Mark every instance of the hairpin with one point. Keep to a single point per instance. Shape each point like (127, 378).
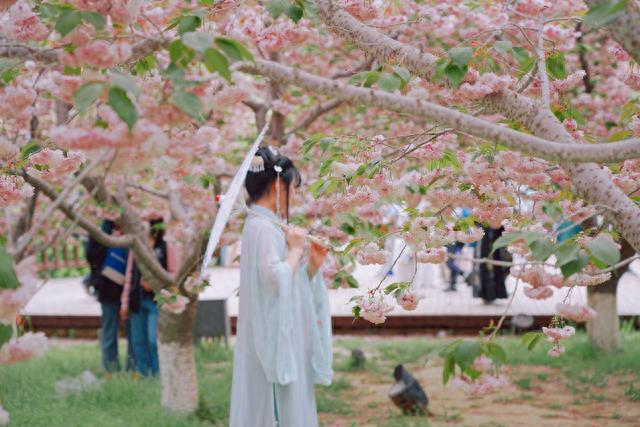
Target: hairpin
(257, 164)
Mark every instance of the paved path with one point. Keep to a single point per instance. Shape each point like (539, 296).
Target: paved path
(67, 297)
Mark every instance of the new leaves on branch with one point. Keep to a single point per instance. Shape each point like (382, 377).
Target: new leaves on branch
(603, 13)
(123, 106)
(8, 278)
(86, 95)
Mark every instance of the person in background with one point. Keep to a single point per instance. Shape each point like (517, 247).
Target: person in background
(454, 249)
(491, 278)
(107, 271)
(138, 305)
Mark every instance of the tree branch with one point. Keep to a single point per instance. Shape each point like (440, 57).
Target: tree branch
(314, 114)
(625, 27)
(590, 181)
(538, 147)
(95, 231)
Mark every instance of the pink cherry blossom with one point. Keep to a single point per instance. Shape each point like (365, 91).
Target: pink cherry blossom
(482, 364)
(374, 309)
(557, 334)
(474, 234)
(13, 189)
(58, 166)
(8, 149)
(372, 254)
(26, 347)
(531, 7)
(556, 351)
(21, 24)
(408, 299)
(634, 124)
(173, 303)
(540, 293)
(618, 52)
(98, 54)
(432, 255)
(575, 312)
(633, 81)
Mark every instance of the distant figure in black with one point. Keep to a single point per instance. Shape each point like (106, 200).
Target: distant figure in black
(490, 281)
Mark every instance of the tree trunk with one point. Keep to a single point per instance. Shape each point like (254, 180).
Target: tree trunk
(604, 330)
(177, 362)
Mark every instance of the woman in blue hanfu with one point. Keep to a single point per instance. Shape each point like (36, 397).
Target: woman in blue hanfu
(284, 325)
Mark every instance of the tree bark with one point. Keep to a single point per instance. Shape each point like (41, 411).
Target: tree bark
(604, 330)
(178, 375)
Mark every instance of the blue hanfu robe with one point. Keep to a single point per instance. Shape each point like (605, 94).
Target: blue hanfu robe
(283, 342)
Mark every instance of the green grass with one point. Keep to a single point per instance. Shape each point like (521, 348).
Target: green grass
(27, 389)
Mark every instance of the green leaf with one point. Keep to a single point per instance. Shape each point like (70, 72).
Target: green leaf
(188, 23)
(30, 148)
(216, 61)
(531, 339)
(620, 135)
(179, 53)
(197, 40)
(277, 7)
(521, 54)
(233, 49)
(86, 95)
(449, 368)
(356, 311)
(525, 66)
(8, 278)
(95, 19)
(503, 46)
(556, 66)
(187, 102)
(124, 82)
(145, 65)
(508, 238)
(67, 21)
(122, 105)
(365, 78)
(295, 12)
(403, 74)
(496, 353)
(315, 187)
(389, 82)
(351, 281)
(603, 13)
(6, 332)
(396, 286)
(541, 249)
(466, 352)
(455, 74)
(461, 56)
(566, 252)
(604, 249)
(575, 265)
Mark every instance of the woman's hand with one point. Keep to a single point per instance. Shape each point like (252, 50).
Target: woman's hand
(295, 240)
(124, 313)
(316, 257)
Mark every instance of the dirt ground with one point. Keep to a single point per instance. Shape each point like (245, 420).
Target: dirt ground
(539, 397)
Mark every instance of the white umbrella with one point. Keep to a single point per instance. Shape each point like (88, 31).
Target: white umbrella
(229, 199)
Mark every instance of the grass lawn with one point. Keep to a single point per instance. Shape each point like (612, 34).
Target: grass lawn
(582, 379)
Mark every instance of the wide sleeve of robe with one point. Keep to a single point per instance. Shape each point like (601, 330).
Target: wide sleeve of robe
(318, 307)
(272, 308)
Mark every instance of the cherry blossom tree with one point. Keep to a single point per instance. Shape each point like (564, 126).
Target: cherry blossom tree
(525, 112)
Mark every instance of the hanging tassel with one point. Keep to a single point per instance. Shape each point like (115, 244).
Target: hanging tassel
(257, 164)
